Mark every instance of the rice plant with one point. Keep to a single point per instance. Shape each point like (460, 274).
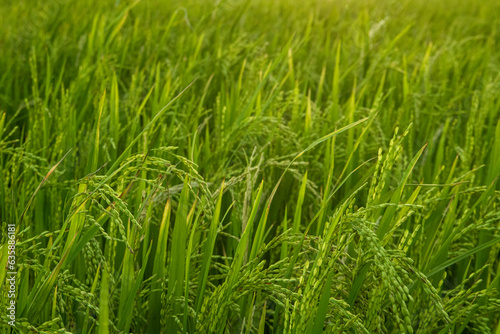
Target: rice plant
(250, 166)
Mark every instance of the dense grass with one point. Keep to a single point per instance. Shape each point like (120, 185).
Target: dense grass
(251, 166)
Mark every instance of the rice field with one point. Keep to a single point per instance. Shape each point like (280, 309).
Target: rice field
(250, 166)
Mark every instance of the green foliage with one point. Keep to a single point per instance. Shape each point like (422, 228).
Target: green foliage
(244, 166)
